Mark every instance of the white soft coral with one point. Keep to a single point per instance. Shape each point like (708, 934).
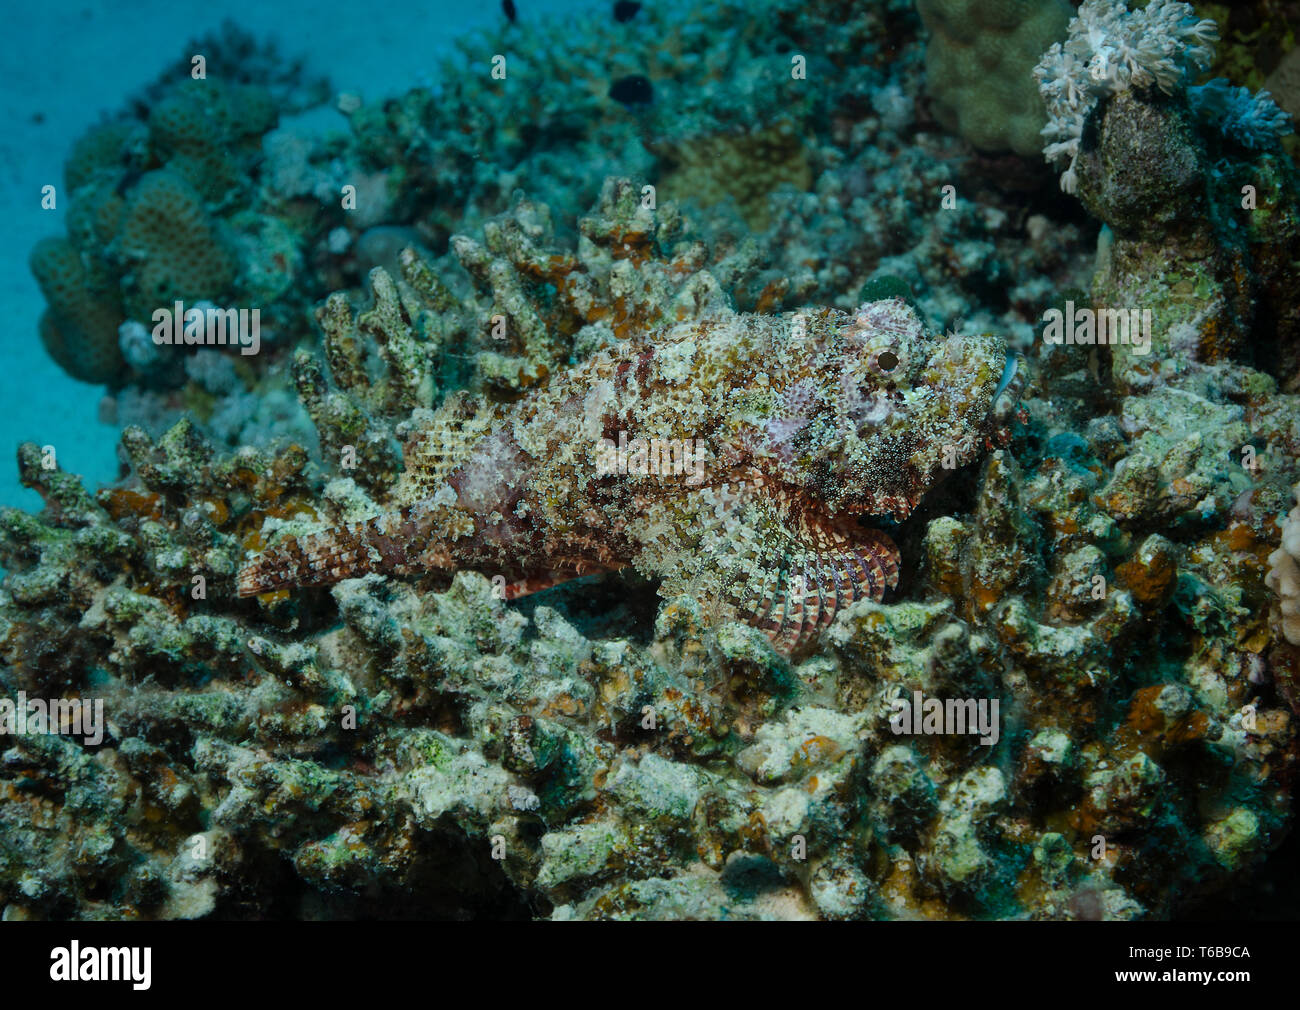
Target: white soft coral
(1112, 49)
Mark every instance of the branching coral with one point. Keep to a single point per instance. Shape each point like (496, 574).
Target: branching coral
(364, 751)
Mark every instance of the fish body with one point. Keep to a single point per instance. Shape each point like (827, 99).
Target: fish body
(733, 459)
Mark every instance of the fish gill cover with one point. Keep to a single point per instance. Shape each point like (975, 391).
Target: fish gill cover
(771, 460)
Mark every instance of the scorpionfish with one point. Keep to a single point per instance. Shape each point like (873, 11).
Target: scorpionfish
(733, 459)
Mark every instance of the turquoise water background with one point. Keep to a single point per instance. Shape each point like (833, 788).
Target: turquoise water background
(65, 63)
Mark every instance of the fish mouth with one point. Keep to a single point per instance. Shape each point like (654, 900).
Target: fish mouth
(896, 507)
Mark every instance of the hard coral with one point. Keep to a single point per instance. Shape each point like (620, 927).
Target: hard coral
(978, 61)
(171, 246)
(79, 329)
(169, 207)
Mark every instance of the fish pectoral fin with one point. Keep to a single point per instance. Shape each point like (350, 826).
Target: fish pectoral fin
(441, 443)
(786, 568)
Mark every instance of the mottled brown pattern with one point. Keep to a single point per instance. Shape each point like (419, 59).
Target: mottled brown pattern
(801, 425)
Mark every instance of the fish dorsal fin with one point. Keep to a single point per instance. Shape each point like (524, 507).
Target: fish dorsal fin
(441, 442)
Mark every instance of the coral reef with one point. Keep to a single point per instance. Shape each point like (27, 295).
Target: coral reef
(1077, 697)
(150, 221)
(1202, 207)
(236, 56)
(829, 163)
(443, 751)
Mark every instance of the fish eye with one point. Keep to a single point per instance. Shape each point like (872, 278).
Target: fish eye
(887, 361)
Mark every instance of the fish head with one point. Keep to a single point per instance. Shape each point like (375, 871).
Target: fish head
(875, 410)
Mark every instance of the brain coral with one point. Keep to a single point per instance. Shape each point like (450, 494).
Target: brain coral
(980, 61)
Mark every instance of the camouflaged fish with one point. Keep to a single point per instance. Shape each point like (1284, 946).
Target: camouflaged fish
(731, 459)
